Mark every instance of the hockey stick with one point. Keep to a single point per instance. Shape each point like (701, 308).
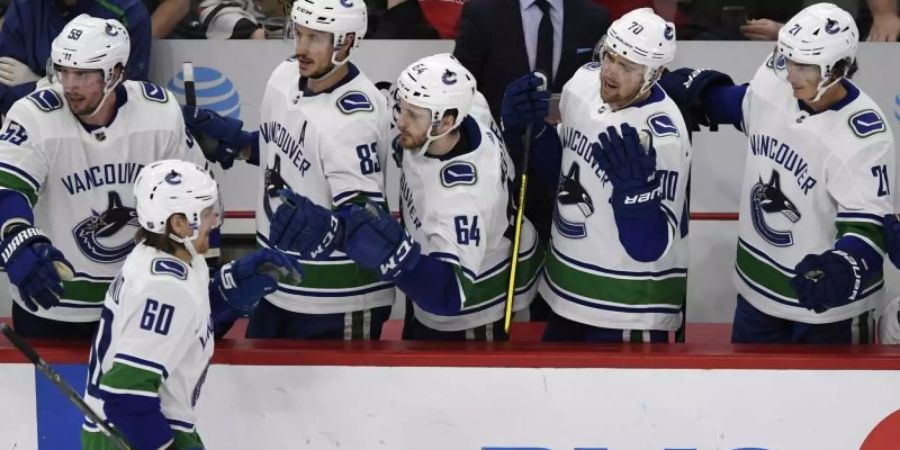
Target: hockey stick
(61, 384)
(207, 144)
(520, 214)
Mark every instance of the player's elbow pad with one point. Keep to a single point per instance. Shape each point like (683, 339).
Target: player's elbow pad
(139, 419)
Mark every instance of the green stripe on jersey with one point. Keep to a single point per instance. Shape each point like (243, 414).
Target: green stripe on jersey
(96, 440)
(85, 290)
(627, 291)
(764, 274)
(333, 276)
(10, 181)
(495, 286)
(868, 230)
(127, 377)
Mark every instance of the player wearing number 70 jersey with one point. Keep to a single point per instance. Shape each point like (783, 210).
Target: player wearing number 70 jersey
(151, 352)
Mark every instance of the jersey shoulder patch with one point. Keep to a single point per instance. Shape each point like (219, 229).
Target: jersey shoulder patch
(170, 267)
(154, 93)
(662, 125)
(866, 123)
(458, 173)
(355, 101)
(46, 100)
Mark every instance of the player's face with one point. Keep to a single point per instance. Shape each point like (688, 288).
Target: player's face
(620, 79)
(83, 89)
(314, 49)
(414, 124)
(209, 220)
(804, 79)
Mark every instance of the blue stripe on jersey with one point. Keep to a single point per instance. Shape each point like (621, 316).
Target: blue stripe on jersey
(94, 278)
(871, 290)
(761, 255)
(143, 362)
(187, 426)
(343, 293)
(453, 259)
(482, 306)
(21, 174)
(634, 309)
(625, 273)
(672, 217)
(864, 216)
(67, 304)
(344, 196)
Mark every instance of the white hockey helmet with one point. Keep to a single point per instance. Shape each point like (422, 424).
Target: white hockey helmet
(92, 43)
(822, 35)
(438, 83)
(338, 17)
(172, 186)
(641, 37)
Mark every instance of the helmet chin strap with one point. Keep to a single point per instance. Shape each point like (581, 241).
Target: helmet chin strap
(106, 91)
(823, 87)
(186, 242)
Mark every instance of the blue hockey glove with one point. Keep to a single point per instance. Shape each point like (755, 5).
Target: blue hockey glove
(686, 86)
(630, 168)
(221, 138)
(892, 238)
(826, 281)
(524, 103)
(28, 256)
(378, 242)
(241, 283)
(303, 227)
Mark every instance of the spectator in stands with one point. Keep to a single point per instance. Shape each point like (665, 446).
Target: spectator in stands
(880, 17)
(231, 19)
(419, 19)
(166, 15)
(31, 25)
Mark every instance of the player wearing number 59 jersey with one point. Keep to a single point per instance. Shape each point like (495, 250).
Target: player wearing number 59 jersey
(69, 155)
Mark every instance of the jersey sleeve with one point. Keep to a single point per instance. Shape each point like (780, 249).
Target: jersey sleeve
(351, 161)
(24, 164)
(152, 340)
(861, 186)
(673, 170)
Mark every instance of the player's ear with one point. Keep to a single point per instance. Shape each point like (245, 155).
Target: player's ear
(448, 120)
(178, 225)
(349, 38)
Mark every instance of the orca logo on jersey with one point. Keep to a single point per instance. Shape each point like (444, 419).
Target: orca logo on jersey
(767, 198)
(354, 101)
(460, 173)
(866, 123)
(662, 125)
(93, 233)
(168, 266)
(574, 205)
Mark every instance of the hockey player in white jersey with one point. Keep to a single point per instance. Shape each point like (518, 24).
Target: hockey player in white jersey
(320, 137)
(616, 270)
(150, 356)
(889, 320)
(68, 157)
(817, 181)
(456, 200)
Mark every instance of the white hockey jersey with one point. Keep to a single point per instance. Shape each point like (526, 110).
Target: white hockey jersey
(589, 277)
(459, 209)
(809, 179)
(329, 147)
(79, 182)
(155, 336)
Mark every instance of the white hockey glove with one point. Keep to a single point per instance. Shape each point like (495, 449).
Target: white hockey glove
(13, 72)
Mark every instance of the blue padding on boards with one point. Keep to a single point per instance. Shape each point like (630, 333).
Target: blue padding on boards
(58, 420)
